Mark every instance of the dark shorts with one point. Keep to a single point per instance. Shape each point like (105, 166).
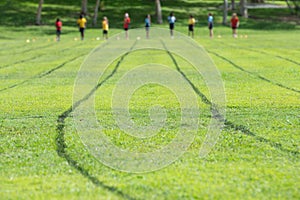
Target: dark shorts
(58, 32)
(105, 31)
(191, 27)
(234, 27)
(172, 26)
(126, 29)
(210, 26)
(81, 30)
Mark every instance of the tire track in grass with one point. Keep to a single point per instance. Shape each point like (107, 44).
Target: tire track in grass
(228, 124)
(61, 143)
(280, 57)
(32, 58)
(15, 47)
(21, 61)
(265, 53)
(254, 74)
(287, 59)
(33, 49)
(43, 74)
(25, 60)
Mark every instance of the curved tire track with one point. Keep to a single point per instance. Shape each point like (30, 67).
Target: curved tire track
(61, 143)
(228, 124)
(254, 74)
(32, 58)
(43, 74)
(265, 53)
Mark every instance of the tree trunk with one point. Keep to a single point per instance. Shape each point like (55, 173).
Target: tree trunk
(158, 12)
(96, 12)
(225, 12)
(243, 8)
(39, 13)
(296, 6)
(232, 4)
(84, 7)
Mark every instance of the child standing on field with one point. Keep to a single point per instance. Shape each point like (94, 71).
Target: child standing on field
(192, 22)
(147, 25)
(234, 24)
(126, 24)
(105, 26)
(81, 23)
(210, 24)
(58, 25)
(171, 20)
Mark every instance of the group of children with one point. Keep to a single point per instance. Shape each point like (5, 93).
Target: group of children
(81, 22)
(234, 23)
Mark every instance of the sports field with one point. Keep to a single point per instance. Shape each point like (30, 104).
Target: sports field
(45, 86)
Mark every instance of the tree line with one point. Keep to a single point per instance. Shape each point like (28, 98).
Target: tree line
(294, 5)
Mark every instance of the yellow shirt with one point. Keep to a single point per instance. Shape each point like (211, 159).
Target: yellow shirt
(192, 21)
(105, 25)
(81, 22)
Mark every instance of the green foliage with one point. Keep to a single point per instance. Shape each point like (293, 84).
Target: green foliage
(23, 13)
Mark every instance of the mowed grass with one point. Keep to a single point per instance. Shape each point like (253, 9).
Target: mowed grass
(256, 156)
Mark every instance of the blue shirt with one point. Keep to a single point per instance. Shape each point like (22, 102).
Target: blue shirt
(210, 19)
(147, 22)
(171, 19)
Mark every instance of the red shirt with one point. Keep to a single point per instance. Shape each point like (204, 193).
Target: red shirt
(126, 22)
(58, 25)
(234, 22)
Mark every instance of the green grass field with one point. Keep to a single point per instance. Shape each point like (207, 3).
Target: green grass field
(255, 157)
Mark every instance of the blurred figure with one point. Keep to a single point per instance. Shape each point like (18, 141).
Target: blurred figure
(81, 23)
(210, 25)
(126, 24)
(58, 25)
(105, 26)
(192, 22)
(147, 25)
(171, 20)
(234, 24)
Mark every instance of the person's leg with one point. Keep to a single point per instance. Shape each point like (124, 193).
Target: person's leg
(82, 33)
(192, 29)
(211, 33)
(171, 29)
(234, 32)
(147, 32)
(57, 36)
